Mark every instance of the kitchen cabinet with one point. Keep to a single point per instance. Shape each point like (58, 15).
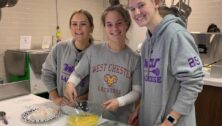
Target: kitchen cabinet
(209, 103)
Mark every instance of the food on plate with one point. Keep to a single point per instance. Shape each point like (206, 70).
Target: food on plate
(43, 113)
(83, 120)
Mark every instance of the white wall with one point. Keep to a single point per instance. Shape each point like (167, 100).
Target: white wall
(204, 12)
(37, 18)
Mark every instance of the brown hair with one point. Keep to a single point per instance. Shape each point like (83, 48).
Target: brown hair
(88, 16)
(86, 13)
(122, 11)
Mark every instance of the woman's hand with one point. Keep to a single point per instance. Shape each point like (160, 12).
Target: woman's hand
(70, 93)
(174, 114)
(166, 123)
(134, 117)
(55, 97)
(111, 105)
(57, 100)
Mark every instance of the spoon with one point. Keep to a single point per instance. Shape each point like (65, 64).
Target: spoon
(2, 117)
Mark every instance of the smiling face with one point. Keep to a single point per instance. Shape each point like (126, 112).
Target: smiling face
(80, 27)
(144, 12)
(115, 26)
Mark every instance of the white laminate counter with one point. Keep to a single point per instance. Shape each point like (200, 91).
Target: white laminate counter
(14, 107)
(217, 82)
(211, 81)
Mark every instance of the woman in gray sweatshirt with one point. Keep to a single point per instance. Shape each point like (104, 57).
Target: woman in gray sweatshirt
(63, 58)
(172, 73)
(113, 67)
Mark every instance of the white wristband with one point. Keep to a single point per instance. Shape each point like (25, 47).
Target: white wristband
(131, 97)
(74, 79)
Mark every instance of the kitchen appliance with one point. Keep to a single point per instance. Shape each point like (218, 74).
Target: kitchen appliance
(14, 89)
(209, 45)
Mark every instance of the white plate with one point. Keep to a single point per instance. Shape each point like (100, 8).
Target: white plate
(26, 116)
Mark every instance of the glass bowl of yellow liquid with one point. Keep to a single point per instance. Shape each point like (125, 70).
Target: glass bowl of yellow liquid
(86, 114)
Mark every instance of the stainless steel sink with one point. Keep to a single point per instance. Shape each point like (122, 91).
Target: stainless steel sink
(14, 89)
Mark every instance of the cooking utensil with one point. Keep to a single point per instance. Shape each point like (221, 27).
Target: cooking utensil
(7, 3)
(164, 10)
(214, 62)
(11, 3)
(182, 9)
(112, 123)
(2, 117)
(69, 108)
(3, 3)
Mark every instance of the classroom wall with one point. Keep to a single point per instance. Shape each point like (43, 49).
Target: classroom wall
(38, 18)
(204, 12)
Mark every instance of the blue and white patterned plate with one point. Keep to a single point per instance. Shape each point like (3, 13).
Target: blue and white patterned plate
(25, 116)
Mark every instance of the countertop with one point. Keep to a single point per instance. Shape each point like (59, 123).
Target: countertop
(211, 81)
(217, 82)
(14, 107)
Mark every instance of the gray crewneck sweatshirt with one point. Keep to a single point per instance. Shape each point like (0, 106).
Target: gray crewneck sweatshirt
(112, 75)
(59, 64)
